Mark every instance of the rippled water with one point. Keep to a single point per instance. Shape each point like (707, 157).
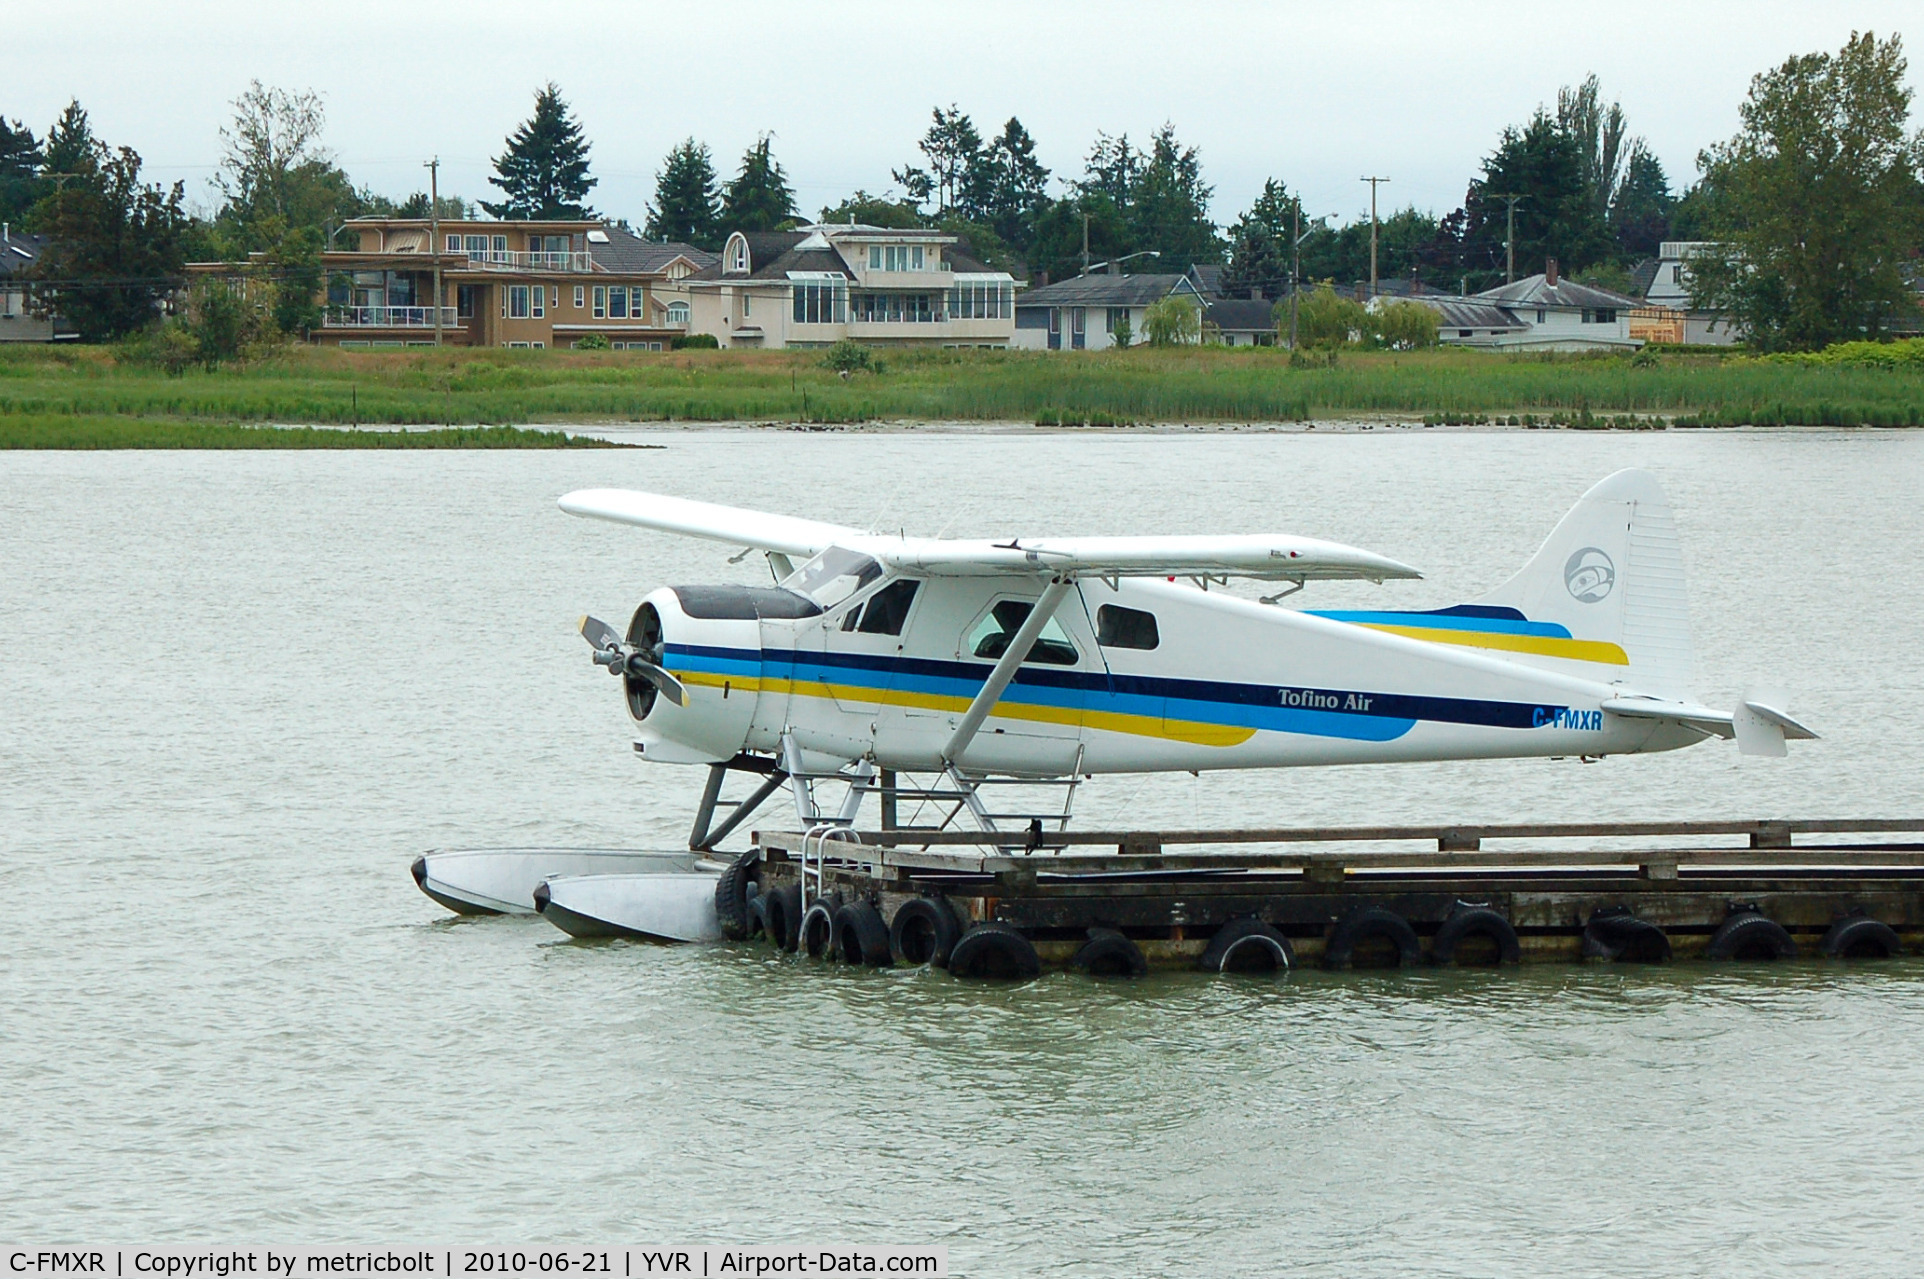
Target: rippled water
(240, 691)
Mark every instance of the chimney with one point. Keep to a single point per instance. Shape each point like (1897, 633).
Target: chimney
(1550, 272)
(1255, 293)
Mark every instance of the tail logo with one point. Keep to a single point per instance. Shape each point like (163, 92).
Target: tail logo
(1590, 575)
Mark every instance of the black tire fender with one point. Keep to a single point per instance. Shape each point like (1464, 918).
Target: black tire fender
(732, 892)
(817, 939)
(1108, 953)
(996, 952)
(1475, 921)
(1247, 946)
(1861, 937)
(860, 935)
(924, 931)
(1615, 934)
(1372, 921)
(1749, 934)
(782, 915)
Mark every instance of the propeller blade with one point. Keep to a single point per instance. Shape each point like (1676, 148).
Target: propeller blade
(666, 684)
(599, 633)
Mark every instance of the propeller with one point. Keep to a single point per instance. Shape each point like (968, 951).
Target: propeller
(625, 659)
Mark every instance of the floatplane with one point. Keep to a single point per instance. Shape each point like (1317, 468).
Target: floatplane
(940, 671)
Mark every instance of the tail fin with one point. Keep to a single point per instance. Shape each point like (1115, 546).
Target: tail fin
(1612, 572)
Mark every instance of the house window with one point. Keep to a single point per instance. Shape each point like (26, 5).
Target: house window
(747, 305)
(578, 293)
(638, 302)
(517, 301)
(740, 256)
(678, 314)
(540, 296)
(500, 244)
(981, 301)
(454, 244)
(1463, 333)
(1539, 315)
(617, 303)
(1078, 318)
(1676, 275)
(821, 300)
(601, 302)
(464, 301)
(1606, 315)
(895, 257)
(1055, 319)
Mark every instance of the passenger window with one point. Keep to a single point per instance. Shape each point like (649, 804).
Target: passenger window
(992, 634)
(1119, 627)
(888, 608)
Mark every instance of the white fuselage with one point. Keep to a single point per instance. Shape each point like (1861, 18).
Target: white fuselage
(1214, 681)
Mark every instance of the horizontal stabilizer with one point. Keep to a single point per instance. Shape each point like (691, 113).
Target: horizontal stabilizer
(1760, 729)
(783, 534)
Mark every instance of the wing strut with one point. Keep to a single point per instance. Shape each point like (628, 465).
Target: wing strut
(1025, 637)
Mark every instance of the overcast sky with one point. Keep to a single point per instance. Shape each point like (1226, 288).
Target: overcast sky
(1315, 94)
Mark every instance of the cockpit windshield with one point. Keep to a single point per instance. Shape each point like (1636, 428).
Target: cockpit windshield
(833, 576)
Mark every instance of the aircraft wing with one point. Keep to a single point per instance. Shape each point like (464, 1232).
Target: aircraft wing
(783, 534)
(1272, 557)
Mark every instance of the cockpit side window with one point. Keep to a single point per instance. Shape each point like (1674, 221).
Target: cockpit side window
(990, 637)
(1119, 627)
(887, 611)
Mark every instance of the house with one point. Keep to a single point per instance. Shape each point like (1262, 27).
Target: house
(1083, 312)
(533, 284)
(1465, 321)
(1558, 315)
(1247, 321)
(1669, 290)
(820, 284)
(1208, 279)
(18, 323)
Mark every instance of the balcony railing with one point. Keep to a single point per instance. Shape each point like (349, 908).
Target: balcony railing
(387, 317)
(515, 260)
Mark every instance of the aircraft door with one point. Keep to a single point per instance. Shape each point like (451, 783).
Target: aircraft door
(861, 646)
(1037, 725)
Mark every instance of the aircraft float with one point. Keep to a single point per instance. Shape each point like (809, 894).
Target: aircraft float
(877, 659)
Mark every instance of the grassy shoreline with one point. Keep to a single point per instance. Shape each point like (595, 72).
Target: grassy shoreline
(47, 394)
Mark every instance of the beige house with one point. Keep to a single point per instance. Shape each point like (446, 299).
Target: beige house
(820, 284)
(539, 285)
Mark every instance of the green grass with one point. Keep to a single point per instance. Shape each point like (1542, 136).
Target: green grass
(473, 388)
(71, 431)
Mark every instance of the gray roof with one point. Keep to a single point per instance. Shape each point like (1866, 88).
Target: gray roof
(19, 251)
(1106, 290)
(1241, 315)
(1535, 290)
(1208, 279)
(1642, 276)
(1467, 313)
(772, 255)
(628, 252)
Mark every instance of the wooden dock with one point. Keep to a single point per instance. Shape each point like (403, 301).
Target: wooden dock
(1364, 896)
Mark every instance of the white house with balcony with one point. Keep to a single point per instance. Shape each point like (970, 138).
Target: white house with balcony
(1670, 288)
(820, 284)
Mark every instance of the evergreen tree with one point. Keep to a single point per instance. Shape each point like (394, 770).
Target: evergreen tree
(1012, 188)
(71, 147)
(687, 203)
(1815, 201)
(19, 170)
(544, 171)
(1261, 244)
(759, 198)
(1169, 205)
(1556, 216)
(1056, 250)
(953, 149)
(1640, 215)
(117, 246)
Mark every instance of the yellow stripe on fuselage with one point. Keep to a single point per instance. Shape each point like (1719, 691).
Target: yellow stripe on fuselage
(1191, 731)
(1600, 651)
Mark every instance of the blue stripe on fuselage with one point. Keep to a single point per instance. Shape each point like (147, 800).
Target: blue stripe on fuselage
(1446, 622)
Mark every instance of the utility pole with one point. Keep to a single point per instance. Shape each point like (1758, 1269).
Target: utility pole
(1295, 270)
(1372, 182)
(1085, 242)
(1509, 236)
(434, 237)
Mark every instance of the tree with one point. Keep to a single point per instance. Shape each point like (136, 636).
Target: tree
(687, 203)
(1325, 319)
(1640, 215)
(1601, 138)
(544, 171)
(1056, 249)
(759, 198)
(117, 247)
(1169, 205)
(1172, 321)
(1013, 187)
(1261, 244)
(1556, 216)
(875, 210)
(19, 170)
(953, 149)
(1405, 326)
(71, 148)
(273, 134)
(1814, 201)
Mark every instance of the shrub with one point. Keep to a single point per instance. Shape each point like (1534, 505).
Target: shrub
(1325, 319)
(1123, 334)
(593, 342)
(1406, 326)
(1174, 321)
(694, 342)
(846, 357)
(168, 347)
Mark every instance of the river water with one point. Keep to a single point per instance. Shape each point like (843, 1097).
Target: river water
(240, 691)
